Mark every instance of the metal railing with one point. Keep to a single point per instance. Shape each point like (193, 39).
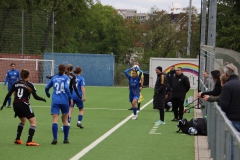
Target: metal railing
(220, 134)
(223, 138)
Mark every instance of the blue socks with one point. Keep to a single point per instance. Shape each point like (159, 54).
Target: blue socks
(66, 131)
(54, 130)
(135, 111)
(80, 117)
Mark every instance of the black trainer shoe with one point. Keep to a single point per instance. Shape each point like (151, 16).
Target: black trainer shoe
(175, 120)
(79, 125)
(65, 141)
(130, 109)
(54, 141)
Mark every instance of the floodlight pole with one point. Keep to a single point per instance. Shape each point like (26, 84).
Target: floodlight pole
(189, 27)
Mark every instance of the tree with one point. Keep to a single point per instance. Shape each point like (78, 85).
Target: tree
(228, 25)
(159, 36)
(182, 32)
(106, 32)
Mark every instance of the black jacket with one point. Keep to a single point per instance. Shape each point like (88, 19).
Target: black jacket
(181, 86)
(229, 100)
(160, 91)
(170, 76)
(216, 91)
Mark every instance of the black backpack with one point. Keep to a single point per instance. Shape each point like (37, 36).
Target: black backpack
(199, 123)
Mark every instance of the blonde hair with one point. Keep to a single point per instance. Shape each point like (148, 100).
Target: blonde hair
(223, 78)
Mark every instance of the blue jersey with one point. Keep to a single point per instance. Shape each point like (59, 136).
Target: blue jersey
(133, 82)
(80, 82)
(61, 93)
(11, 77)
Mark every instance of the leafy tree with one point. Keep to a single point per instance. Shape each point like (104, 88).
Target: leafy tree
(106, 32)
(182, 32)
(159, 36)
(228, 25)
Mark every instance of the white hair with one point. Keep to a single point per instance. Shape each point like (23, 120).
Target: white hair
(230, 69)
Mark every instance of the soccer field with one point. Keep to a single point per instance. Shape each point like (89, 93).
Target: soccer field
(109, 132)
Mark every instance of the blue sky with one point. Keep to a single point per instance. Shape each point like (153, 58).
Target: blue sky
(144, 6)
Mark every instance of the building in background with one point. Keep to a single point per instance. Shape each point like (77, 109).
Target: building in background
(131, 13)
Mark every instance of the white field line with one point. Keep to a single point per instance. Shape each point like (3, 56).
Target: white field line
(100, 139)
(120, 109)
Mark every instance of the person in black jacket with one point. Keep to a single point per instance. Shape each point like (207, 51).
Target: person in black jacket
(229, 99)
(21, 106)
(181, 86)
(217, 88)
(170, 75)
(159, 94)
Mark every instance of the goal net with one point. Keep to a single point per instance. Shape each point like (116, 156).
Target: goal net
(38, 68)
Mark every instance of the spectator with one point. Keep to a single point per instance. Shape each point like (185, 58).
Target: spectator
(170, 75)
(206, 79)
(181, 86)
(217, 88)
(211, 98)
(229, 99)
(159, 94)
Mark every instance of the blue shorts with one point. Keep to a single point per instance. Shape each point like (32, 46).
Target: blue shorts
(9, 86)
(55, 108)
(131, 97)
(79, 103)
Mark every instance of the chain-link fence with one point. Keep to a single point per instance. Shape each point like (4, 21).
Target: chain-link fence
(26, 32)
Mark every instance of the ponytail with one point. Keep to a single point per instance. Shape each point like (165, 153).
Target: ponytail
(24, 75)
(69, 69)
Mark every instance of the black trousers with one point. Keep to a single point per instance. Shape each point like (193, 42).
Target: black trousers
(178, 108)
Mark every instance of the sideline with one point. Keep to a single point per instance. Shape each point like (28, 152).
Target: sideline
(100, 139)
(118, 109)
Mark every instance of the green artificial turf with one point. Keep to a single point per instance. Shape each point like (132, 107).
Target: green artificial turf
(105, 107)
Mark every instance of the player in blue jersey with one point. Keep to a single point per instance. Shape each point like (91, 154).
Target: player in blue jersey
(134, 87)
(60, 101)
(72, 87)
(80, 84)
(11, 77)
